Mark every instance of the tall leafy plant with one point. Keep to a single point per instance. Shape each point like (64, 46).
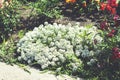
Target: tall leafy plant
(48, 8)
(8, 17)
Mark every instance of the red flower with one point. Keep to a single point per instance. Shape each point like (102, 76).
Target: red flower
(112, 33)
(104, 25)
(108, 7)
(111, 6)
(113, 11)
(116, 53)
(73, 1)
(102, 6)
(112, 3)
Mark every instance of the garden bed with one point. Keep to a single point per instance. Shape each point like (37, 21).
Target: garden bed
(73, 37)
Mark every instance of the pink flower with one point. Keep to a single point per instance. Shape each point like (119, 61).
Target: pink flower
(109, 1)
(115, 49)
(113, 31)
(116, 17)
(117, 21)
(110, 34)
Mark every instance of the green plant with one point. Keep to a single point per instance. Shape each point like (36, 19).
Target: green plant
(59, 47)
(7, 51)
(109, 57)
(8, 18)
(47, 8)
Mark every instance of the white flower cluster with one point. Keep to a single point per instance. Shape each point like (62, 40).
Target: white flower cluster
(48, 44)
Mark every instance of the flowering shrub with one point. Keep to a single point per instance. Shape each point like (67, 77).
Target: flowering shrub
(59, 46)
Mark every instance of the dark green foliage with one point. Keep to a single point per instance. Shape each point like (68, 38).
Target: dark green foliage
(8, 19)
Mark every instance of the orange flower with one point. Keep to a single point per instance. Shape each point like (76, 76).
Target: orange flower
(70, 1)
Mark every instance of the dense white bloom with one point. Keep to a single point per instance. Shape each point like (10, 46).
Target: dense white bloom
(29, 61)
(85, 53)
(49, 44)
(53, 63)
(77, 53)
(91, 62)
(50, 57)
(61, 51)
(74, 67)
(55, 59)
(44, 66)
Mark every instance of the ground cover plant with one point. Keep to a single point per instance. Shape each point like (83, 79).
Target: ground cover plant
(60, 47)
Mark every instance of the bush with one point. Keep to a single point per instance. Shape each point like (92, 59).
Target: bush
(59, 46)
(8, 18)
